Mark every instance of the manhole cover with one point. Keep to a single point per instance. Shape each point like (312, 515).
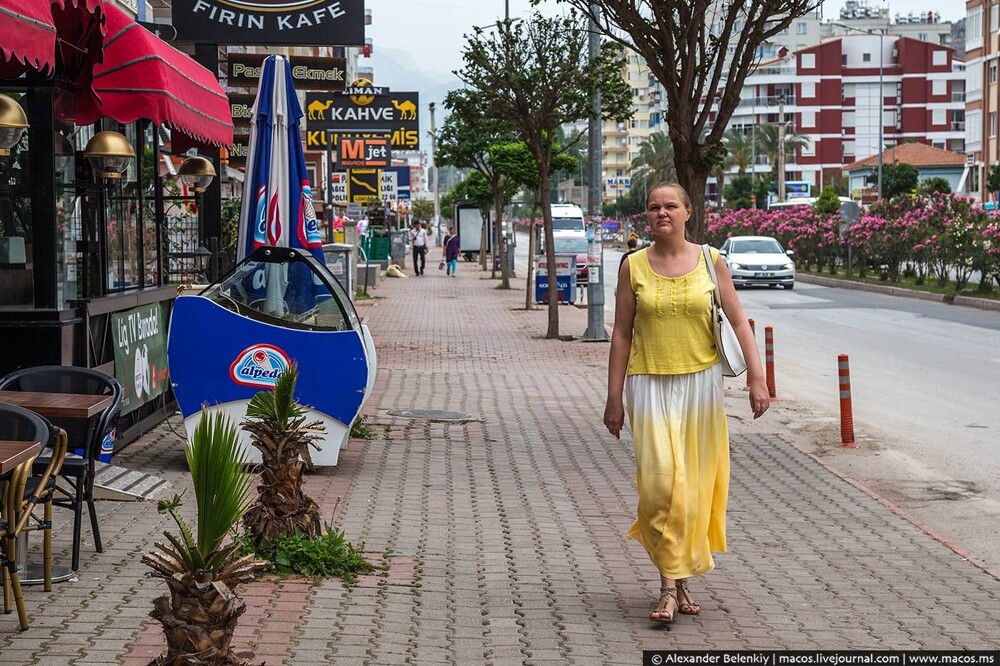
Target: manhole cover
(432, 414)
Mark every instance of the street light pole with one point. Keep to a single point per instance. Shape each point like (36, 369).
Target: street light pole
(434, 171)
(595, 238)
(781, 148)
(881, 110)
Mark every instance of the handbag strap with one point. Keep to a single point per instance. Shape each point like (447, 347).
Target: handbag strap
(716, 296)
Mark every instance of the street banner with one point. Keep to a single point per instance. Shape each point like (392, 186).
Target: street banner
(140, 338)
(284, 22)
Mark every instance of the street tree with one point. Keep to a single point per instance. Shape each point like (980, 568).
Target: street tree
(897, 178)
(536, 75)
(767, 144)
(701, 52)
(466, 141)
(654, 163)
(423, 209)
(993, 180)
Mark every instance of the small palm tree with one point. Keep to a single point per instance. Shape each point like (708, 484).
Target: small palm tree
(277, 427)
(767, 144)
(200, 613)
(654, 163)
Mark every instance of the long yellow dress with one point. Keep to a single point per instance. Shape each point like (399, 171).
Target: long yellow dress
(675, 402)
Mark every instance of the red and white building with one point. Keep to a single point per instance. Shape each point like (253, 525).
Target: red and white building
(829, 93)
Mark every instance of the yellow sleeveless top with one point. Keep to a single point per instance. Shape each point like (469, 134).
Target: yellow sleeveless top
(672, 329)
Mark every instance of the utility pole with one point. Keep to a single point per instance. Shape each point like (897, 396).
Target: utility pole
(781, 148)
(434, 171)
(595, 239)
(881, 110)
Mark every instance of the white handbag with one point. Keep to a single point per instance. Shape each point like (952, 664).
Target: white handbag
(726, 342)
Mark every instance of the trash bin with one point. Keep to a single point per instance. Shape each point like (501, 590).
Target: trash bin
(397, 246)
(565, 279)
(338, 260)
(379, 240)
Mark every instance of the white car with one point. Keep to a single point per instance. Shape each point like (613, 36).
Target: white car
(758, 260)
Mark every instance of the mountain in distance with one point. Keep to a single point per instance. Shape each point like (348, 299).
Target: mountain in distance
(394, 69)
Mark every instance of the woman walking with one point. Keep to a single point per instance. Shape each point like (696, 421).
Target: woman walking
(663, 359)
(451, 248)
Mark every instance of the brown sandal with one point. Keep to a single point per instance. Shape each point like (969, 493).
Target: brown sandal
(664, 610)
(686, 603)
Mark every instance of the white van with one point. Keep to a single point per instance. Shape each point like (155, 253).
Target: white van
(568, 220)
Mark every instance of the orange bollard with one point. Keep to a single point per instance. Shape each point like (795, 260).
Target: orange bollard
(769, 360)
(846, 411)
(752, 328)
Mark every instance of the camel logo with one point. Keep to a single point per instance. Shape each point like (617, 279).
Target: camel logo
(407, 109)
(259, 366)
(317, 109)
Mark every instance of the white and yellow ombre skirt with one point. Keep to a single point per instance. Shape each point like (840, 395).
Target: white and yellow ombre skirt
(682, 468)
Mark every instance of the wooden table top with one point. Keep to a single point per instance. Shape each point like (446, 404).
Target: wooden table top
(72, 405)
(13, 454)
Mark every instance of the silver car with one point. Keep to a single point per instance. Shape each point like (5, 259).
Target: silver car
(758, 260)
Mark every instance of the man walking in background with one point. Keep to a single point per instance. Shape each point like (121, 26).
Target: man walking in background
(418, 239)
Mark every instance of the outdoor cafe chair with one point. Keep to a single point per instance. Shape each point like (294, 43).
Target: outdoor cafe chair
(84, 435)
(16, 425)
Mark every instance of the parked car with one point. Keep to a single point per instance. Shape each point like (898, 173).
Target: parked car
(758, 260)
(574, 245)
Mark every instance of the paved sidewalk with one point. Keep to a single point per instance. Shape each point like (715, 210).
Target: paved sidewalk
(500, 536)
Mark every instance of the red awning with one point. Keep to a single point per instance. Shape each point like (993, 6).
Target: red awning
(41, 35)
(144, 77)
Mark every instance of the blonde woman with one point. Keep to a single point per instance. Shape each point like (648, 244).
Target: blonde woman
(663, 361)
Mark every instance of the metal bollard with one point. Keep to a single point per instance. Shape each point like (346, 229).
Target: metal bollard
(769, 360)
(846, 411)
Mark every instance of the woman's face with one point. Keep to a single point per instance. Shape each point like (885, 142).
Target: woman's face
(666, 211)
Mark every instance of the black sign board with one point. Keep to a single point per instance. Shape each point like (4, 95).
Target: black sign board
(288, 22)
(241, 108)
(308, 72)
(363, 185)
(393, 113)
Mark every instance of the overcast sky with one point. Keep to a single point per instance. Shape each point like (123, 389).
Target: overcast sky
(427, 34)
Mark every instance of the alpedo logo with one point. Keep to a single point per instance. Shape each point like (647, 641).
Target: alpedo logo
(259, 366)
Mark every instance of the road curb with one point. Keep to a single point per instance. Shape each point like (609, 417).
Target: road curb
(965, 301)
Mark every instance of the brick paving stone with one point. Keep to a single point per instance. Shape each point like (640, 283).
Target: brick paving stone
(500, 539)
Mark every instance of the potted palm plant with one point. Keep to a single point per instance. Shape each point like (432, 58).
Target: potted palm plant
(202, 569)
(277, 427)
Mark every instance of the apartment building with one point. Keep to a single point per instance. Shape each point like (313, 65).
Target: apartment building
(982, 47)
(830, 94)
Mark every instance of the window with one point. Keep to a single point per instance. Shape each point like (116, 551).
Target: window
(808, 119)
(994, 17)
(801, 28)
(939, 117)
(974, 28)
(808, 89)
(866, 57)
(939, 87)
(922, 36)
(993, 123)
(808, 61)
(808, 149)
(939, 58)
(993, 72)
(848, 148)
(847, 119)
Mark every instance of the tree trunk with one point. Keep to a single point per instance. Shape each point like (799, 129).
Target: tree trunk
(529, 296)
(502, 250)
(550, 251)
(198, 624)
(692, 177)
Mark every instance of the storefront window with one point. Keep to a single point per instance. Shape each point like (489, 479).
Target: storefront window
(16, 282)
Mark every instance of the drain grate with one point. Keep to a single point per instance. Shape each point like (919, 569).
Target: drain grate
(431, 414)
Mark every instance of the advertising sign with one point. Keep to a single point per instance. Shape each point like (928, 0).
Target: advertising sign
(338, 187)
(140, 338)
(363, 185)
(387, 112)
(797, 189)
(402, 182)
(287, 22)
(388, 190)
(308, 72)
(362, 151)
(619, 183)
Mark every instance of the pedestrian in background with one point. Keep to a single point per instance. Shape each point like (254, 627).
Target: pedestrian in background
(632, 243)
(451, 250)
(418, 240)
(663, 359)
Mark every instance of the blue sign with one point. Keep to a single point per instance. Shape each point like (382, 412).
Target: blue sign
(798, 189)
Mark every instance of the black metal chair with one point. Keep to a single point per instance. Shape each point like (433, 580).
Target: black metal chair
(85, 435)
(16, 425)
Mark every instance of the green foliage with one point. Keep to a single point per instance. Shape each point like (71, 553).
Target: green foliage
(218, 474)
(738, 191)
(897, 178)
(767, 144)
(828, 202)
(278, 405)
(330, 555)
(360, 428)
(993, 180)
(423, 209)
(935, 185)
(230, 223)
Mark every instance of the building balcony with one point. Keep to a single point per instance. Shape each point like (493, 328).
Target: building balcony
(368, 17)
(958, 97)
(958, 126)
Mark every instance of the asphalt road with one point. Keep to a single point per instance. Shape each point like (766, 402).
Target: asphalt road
(925, 381)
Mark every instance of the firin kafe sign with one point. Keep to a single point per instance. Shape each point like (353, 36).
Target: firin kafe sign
(286, 22)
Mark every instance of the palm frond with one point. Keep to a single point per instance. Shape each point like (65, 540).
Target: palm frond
(218, 474)
(278, 405)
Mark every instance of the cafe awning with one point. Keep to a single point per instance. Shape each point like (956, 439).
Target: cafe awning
(144, 77)
(46, 35)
